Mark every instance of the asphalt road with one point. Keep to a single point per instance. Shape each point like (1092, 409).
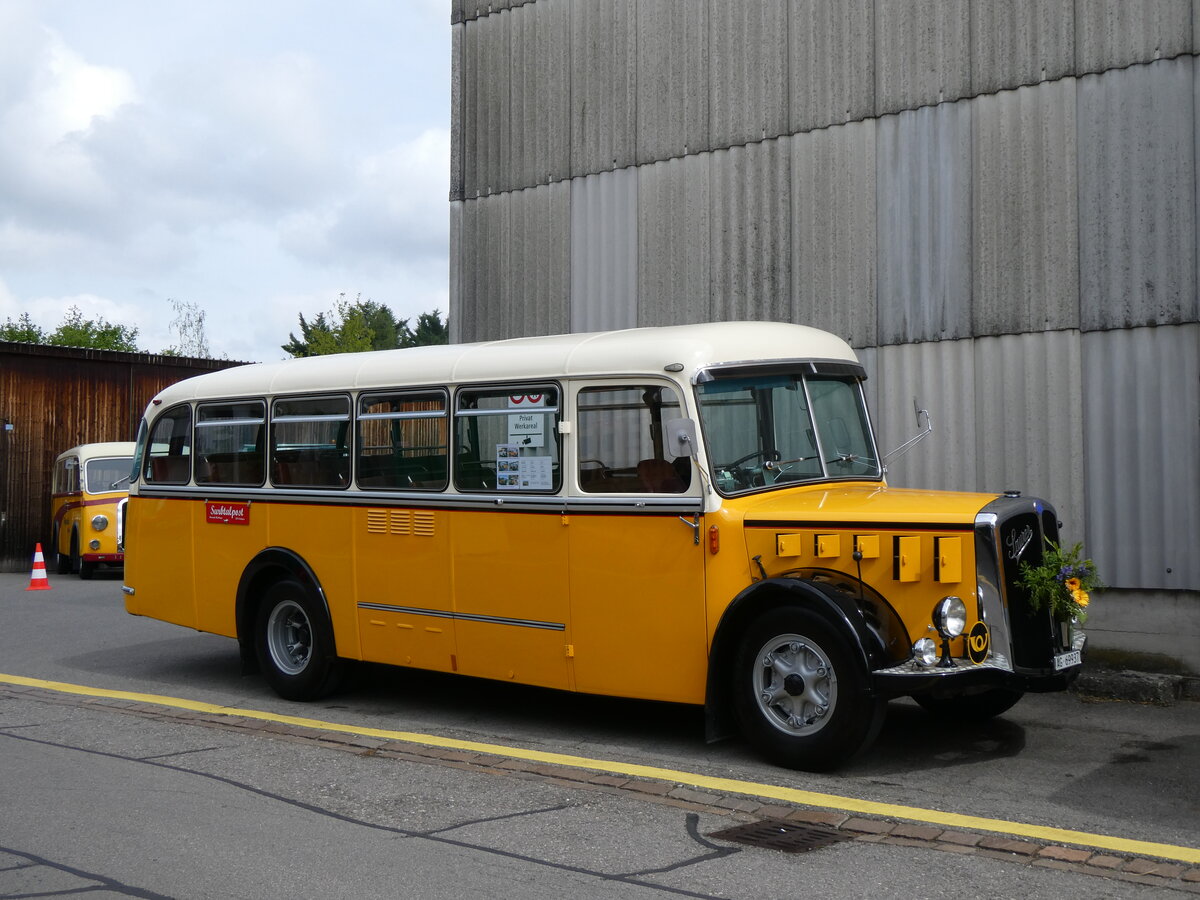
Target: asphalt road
(130, 798)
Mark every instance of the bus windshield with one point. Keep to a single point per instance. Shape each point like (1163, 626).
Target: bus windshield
(770, 429)
(104, 475)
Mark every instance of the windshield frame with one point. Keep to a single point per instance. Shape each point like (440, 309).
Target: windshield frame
(768, 468)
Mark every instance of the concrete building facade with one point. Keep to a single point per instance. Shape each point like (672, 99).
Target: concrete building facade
(994, 201)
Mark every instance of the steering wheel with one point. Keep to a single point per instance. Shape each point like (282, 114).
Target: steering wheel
(737, 467)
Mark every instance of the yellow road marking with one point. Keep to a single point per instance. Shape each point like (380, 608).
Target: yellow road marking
(690, 779)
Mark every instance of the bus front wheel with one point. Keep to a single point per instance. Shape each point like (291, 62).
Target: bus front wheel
(799, 695)
(294, 643)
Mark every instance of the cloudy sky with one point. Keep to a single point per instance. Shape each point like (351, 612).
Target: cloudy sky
(256, 159)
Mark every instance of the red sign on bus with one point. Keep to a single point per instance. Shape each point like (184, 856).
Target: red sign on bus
(220, 512)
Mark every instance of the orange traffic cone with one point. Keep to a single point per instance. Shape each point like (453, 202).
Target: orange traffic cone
(38, 580)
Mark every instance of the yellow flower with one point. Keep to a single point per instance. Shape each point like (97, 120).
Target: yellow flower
(1073, 585)
(1081, 598)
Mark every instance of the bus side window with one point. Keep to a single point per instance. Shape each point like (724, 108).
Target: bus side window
(621, 447)
(168, 460)
(308, 442)
(230, 443)
(506, 439)
(403, 441)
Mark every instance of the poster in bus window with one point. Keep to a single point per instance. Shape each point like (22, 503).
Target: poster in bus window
(525, 427)
(516, 472)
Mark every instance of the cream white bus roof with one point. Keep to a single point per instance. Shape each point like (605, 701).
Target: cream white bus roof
(630, 352)
(105, 450)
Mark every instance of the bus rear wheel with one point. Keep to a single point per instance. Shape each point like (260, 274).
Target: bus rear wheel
(799, 695)
(293, 640)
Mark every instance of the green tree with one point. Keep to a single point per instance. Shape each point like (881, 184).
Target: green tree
(23, 331)
(430, 330)
(362, 325)
(73, 331)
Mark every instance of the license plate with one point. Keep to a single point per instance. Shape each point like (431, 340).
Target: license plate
(1066, 660)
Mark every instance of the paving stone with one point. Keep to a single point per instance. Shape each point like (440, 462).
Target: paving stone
(1191, 875)
(1153, 867)
(1024, 848)
(1066, 854)
(1056, 864)
(692, 796)
(654, 788)
(817, 817)
(961, 838)
(1106, 862)
(735, 804)
(868, 826)
(917, 832)
(769, 811)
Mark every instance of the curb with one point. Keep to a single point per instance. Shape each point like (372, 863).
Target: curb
(1138, 687)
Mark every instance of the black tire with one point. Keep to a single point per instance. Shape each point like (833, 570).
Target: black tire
(800, 693)
(74, 562)
(971, 707)
(62, 562)
(87, 570)
(293, 640)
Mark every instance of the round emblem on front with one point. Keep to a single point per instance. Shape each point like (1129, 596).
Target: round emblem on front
(977, 643)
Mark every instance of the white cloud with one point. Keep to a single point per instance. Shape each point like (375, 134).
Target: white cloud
(397, 208)
(256, 160)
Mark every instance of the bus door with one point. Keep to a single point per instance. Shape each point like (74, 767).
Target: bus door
(637, 566)
(509, 536)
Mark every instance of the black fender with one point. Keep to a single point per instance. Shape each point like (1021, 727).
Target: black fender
(873, 629)
(270, 565)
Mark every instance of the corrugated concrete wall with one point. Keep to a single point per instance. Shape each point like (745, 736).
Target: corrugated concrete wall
(54, 398)
(996, 203)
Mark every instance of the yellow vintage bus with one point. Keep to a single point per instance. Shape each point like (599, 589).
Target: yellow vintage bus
(89, 488)
(695, 514)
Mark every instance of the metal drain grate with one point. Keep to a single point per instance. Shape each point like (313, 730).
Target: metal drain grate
(777, 834)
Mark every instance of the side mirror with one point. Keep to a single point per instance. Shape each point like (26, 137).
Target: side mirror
(681, 437)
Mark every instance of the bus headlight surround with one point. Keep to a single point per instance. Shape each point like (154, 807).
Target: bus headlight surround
(950, 617)
(94, 544)
(100, 522)
(925, 652)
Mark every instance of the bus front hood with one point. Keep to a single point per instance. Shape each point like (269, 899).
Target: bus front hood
(866, 505)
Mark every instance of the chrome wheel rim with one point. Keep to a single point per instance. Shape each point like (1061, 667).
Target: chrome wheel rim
(795, 685)
(289, 637)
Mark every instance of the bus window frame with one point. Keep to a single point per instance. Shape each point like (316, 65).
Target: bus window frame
(260, 444)
(149, 456)
(442, 392)
(636, 381)
(512, 389)
(346, 436)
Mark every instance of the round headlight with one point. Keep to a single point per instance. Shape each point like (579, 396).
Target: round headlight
(925, 651)
(94, 544)
(99, 523)
(950, 617)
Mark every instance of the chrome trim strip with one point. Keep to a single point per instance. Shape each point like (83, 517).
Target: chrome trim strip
(466, 617)
(990, 590)
(128, 590)
(913, 668)
(434, 499)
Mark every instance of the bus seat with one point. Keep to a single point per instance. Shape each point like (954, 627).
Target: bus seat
(169, 469)
(659, 477)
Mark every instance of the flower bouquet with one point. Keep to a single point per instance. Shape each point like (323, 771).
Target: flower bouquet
(1063, 581)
